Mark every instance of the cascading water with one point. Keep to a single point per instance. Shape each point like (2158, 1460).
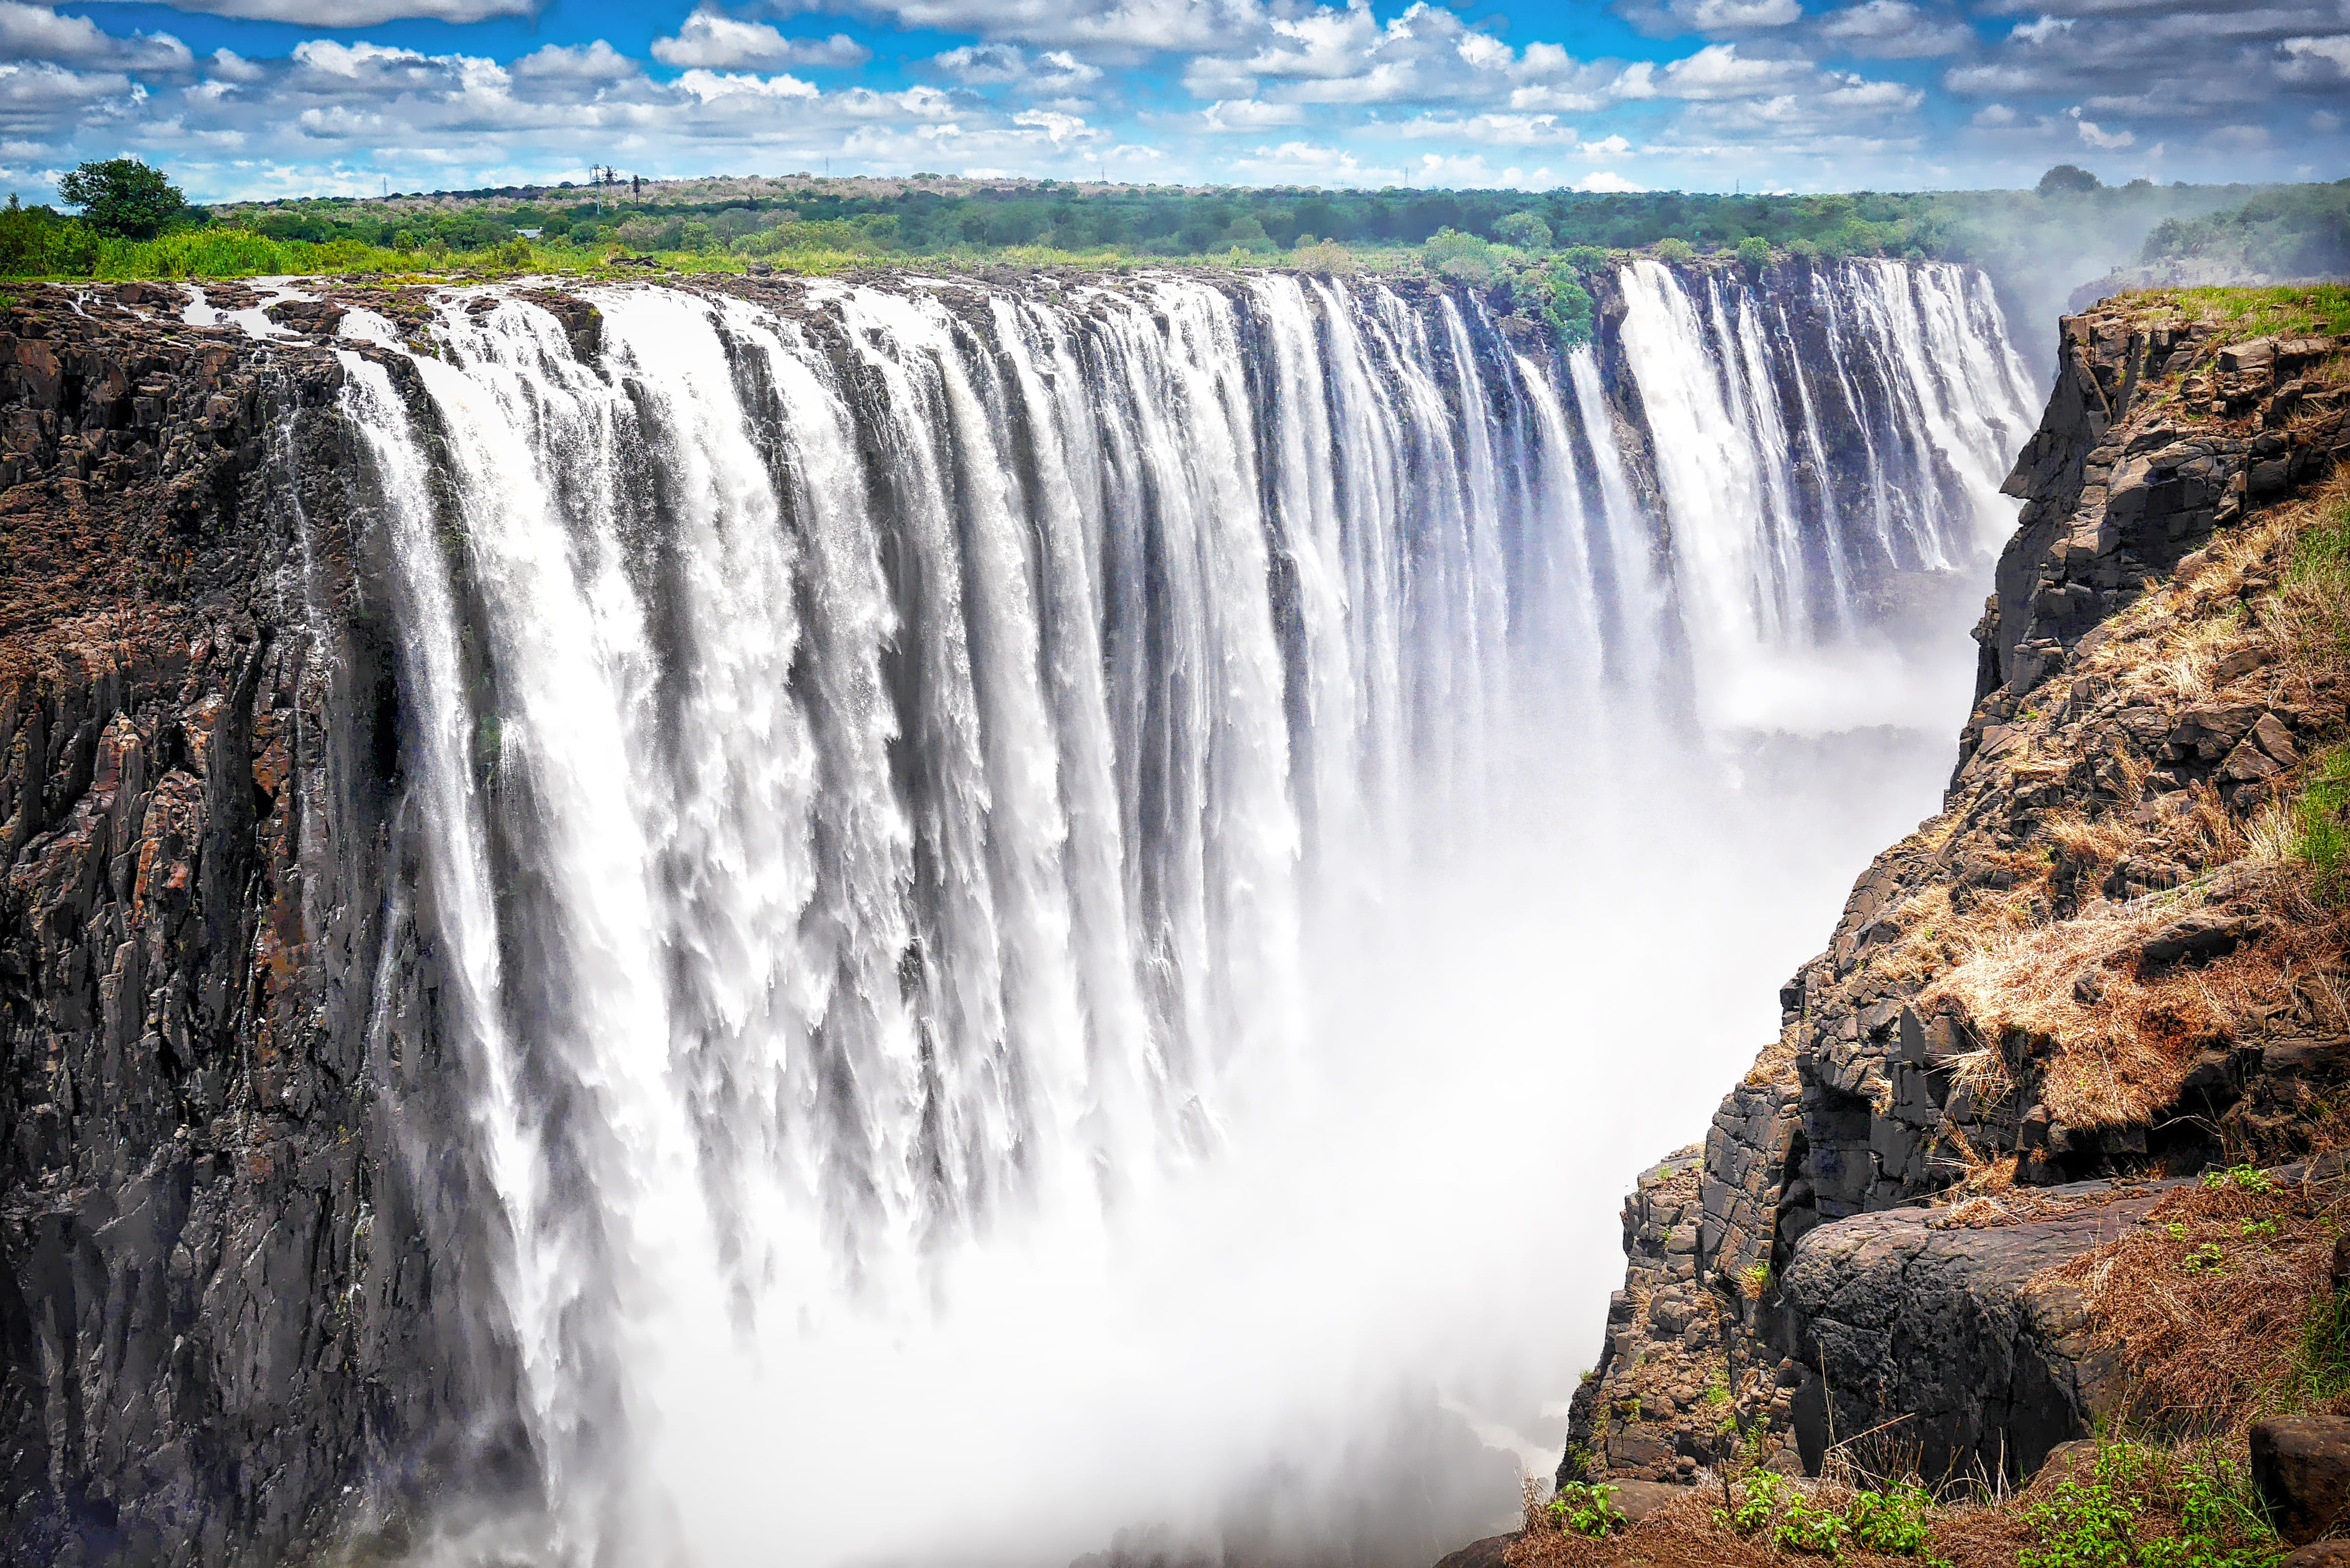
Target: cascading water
(930, 795)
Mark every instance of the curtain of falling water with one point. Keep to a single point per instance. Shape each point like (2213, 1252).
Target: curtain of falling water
(885, 764)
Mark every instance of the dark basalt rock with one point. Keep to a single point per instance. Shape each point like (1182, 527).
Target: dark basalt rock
(2302, 1466)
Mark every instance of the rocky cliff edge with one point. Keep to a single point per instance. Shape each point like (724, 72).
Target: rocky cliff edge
(2114, 961)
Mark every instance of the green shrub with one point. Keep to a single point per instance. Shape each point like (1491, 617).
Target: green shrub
(1583, 1510)
(1673, 252)
(1524, 230)
(1754, 253)
(1891, 1521)
(1765, 1494)
(2101, 1523)
(1583, 258)
(1451, 253)
(1806, 1528)
(1565, 306)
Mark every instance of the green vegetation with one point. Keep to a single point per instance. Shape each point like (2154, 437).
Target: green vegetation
(2321, 824)
(2248, 1178)
(1891, 1521)
(123, 199)
(2114, 1519)
(2294, 231)
(2322, 307)
(1581, 1510)
(798, 224)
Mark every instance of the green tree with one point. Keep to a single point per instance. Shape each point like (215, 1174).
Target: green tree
(1524, 230)
(1755, 251)
(123, 197)
(2070, 179)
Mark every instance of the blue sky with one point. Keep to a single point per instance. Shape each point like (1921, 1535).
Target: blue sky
(262, 97)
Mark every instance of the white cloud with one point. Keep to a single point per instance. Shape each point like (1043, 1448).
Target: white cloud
(1992, 116)
(1491, 129)
(1053, 72)
(595, 62)
(712, 86)
(1605, 147)
(2041, 31)
(2097, 136)
(1249, 114)
(37, 32)
(2333, 49)
(1058, 127)
(720, 42)
(1719, 71)
(1606, 180)
(359, 12)
(1894, 30)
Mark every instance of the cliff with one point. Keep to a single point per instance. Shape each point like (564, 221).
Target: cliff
(2113, 960)
(216, 1317)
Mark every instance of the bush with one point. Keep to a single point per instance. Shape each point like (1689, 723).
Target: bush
(1892, 1521)
(2321, 824)
(1581, 1510)
(1754, 252)
(1566, 306)
(1673, 252)
(2101, 1523)
(1524, 230)
(1451, 253)
(1583, 258)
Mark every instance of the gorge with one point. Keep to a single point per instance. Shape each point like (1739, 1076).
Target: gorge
(634, 909)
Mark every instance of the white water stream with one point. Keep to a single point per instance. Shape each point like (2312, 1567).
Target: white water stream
(1046, 891)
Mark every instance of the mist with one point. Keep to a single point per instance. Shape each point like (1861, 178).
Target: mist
(1109, 1110)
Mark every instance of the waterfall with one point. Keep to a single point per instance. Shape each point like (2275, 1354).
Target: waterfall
(1939, 401)
(892, 762)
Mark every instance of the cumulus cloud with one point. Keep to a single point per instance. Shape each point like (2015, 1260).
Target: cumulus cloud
(1672, 18)
(1893, 30)
(358, 13)
(1052, 73)
(714, 39)
(1248, 114)
(37, 32)
(1606, 180)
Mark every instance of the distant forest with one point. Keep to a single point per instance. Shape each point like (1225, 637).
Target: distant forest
(2037, 245)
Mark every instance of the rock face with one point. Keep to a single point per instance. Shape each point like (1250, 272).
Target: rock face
(2302, 1466)
(216, 1313)
(1990, 1366)
(2136, 708)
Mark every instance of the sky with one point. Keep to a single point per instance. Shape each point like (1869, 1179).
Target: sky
(259, 98)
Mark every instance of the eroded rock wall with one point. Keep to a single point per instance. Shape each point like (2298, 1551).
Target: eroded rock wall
(217, 1312)
(2137, 711)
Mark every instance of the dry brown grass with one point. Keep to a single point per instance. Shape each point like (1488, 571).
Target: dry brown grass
(2208, 1304)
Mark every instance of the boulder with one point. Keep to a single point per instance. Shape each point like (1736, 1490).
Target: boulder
(1486, 1554)
(2320, 1554)
(1638, 1500)
(1955, 1333)
(2302, 1466)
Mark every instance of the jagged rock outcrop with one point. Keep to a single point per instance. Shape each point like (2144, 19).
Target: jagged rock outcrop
(2078, 970)
(216, 1314)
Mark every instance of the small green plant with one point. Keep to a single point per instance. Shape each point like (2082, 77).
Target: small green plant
(2243, 1178)
(1718, 1391)
(1804, 1527)
(2176, 1230)
(1755, 1282)
(2205, 1259)
(1586, 1509)
(1891, 1521)
(2260, 1230)
(1765, 1494)
(2321, 824)
(2102, 1522)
